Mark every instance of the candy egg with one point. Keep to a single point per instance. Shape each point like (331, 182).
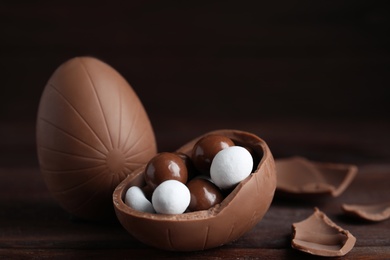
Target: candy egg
(206, 148)
(230, 166)
(92, 131)
(165, 166)
(136, 199)
(171, 197)
(204, 194)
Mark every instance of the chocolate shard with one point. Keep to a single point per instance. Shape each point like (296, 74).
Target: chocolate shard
(372, 212)
(301, 178)
(318, 235)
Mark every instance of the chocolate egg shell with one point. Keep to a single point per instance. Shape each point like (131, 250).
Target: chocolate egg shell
(92, 131)
(319, 235)
(301, 178)
(242, 209)
(378, 211)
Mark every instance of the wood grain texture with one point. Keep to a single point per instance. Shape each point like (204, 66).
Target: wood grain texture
(32, 224)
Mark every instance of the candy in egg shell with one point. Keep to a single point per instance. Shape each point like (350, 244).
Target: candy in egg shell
(165, 166)
(230, 166)
(167, 172)
(136, 199)
(171, 197)
(206, 148)
(204, 194)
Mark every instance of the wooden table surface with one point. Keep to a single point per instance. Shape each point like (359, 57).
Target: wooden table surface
(34, 226)
(310, 77)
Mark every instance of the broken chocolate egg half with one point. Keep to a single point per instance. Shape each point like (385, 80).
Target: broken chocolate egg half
(240, 210)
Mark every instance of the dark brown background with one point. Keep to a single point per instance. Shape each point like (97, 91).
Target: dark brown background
(310, 77)
(218, 61)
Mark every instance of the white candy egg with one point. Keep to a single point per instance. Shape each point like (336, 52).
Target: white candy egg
(135, 198)
(230, 166)
(171, 197)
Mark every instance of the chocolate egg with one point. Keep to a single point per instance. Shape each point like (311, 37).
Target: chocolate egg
(92, 132)
(239, 212)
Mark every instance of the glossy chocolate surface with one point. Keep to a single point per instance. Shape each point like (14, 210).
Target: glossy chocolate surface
(204, 194)
(92, 131)
(191, 170)
(238, 213)
(206, 148)
(165, 166)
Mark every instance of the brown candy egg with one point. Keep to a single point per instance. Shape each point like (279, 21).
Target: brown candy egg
(92, 131)
(204, 194)
(206, 148)
(238, 213)
(165, 166)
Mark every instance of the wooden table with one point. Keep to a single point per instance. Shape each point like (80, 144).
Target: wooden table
(32, 225)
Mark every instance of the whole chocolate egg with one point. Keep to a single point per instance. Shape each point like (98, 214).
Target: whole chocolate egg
(239, 212)
(92, 131)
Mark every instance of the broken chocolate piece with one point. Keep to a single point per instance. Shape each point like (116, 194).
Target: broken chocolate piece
(299, 177)
(318, 235)
(371, 212)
